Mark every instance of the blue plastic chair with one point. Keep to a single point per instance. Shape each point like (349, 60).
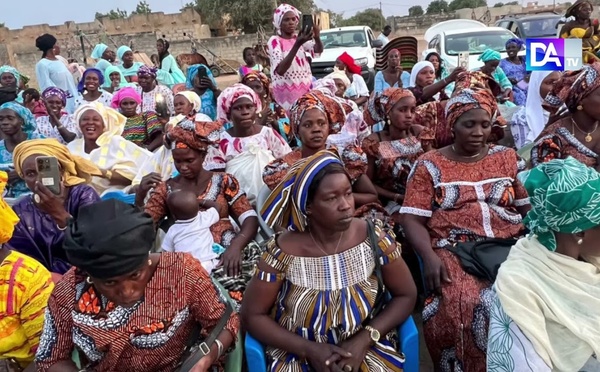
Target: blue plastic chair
(119, 195)
(409, 345)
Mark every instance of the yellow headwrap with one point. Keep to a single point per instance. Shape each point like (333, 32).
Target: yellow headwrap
(8, 218)
(193, 98)
(114, 122)
(76, 170)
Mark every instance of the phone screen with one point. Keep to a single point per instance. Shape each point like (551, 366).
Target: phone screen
(307, 22)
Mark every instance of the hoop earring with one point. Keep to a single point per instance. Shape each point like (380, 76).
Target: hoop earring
(88, 280)
(580, 241)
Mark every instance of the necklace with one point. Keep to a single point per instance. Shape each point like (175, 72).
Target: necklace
(466, 156)
(319, 246)
(588, 136)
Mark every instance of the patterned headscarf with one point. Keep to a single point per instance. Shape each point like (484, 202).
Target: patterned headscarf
(515, 40)
(573, 87)
(75, 169)
(258, 76)
(315, 99)
(11, 70)
(127, 92)
(8, 218)
(381, 103)
(326, 85)
(187, 134)
(148, 71)
(341, 75)
(100, 74)
(192, 71)
(29, 123)
(99, 50)
(490, 55)
(467, 100)
(193, 98)
(230, 95)
(280, 12)
(286, 205)
(55, 92)
(565, 198)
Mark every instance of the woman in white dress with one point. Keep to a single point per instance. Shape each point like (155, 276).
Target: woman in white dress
(57, 123)
(90, 90)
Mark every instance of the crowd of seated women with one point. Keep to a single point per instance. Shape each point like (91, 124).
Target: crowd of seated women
(352, 185)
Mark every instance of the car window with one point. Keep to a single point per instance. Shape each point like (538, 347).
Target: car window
(514, 27)
(370, 35)
(433, 42)
(540, 27)
(503, 24)
(348, 39)
(477, 42)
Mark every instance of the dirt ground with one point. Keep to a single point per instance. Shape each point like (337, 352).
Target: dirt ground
(224, 81)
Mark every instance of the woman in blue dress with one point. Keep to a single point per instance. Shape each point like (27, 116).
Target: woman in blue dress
(514, 69)
(200, 80)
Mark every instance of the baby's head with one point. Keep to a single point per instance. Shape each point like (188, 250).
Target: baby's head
(183, 205)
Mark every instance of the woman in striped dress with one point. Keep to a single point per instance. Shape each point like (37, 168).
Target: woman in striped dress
(315, 298)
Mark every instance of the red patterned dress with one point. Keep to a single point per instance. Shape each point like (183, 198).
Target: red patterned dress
(150, 336)
(464, 202)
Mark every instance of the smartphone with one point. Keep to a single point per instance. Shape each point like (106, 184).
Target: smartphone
(307, 22)
(202, 73)
(463, 60)
(49, 173)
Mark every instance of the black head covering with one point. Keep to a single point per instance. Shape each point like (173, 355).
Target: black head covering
(109, 238)
(45, 43)
(7, 94)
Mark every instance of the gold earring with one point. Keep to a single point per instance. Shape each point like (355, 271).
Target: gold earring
(580, 241)
(579, 108)
(88, 280)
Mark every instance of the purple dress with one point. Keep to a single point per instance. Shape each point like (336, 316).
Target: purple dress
(518, 73)
(37, 235)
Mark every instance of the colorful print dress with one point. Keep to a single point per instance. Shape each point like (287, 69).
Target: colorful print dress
(149, 336)
(25, 286)
(141, 127)
(464, 202)
(347, 282)
(557, 142)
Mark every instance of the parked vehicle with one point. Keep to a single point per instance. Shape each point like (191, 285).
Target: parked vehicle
(531, 26)
(358, 41)
(449, 38)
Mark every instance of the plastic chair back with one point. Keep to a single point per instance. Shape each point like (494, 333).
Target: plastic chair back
(409, 345)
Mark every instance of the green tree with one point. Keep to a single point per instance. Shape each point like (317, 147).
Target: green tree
(369, 17)
(513, 3)
(113, 14)
(335, 19)
(437, 7)
(498, 5)
(247, 15)
(2, 24)
(415, 11)
(142, 8)
(462, 4)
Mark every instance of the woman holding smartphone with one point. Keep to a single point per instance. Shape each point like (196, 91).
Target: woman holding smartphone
(291, 73)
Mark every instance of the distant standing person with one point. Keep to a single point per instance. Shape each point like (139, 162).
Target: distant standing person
(168, 63)
(52, 72)
(384, 35)
(291, 74)
(250, 59)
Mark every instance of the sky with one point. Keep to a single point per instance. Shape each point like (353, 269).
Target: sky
(57, 12)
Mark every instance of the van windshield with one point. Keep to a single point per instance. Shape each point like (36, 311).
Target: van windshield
(347, 39)
(477, 42)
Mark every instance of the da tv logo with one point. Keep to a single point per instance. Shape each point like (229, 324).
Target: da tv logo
(553, 54)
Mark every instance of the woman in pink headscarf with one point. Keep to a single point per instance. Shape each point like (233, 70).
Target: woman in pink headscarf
(290, 67)
(245, 147)
(144, 129)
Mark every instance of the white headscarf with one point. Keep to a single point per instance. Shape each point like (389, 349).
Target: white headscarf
(114, 122)
(415, 71)
(280, 12)
(193, 98)
(537, 117)
(339, 74)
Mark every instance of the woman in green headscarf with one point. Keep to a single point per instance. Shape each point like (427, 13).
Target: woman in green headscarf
(491, 60)
(114, 80)
(546, 315)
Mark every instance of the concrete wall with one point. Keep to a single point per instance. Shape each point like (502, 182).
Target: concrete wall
(17, 47)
